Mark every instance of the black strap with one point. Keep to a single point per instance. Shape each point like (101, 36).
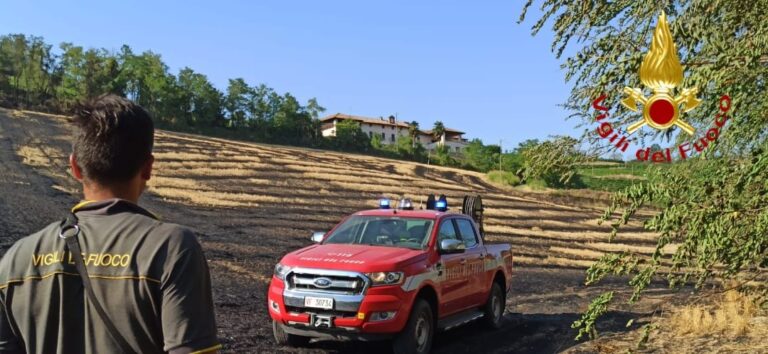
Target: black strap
(69, 232)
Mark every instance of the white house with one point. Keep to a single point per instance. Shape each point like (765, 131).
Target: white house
(389, 129)
(453, 139)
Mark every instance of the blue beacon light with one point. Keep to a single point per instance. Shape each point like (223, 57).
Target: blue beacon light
(441, 205)
(384, 204)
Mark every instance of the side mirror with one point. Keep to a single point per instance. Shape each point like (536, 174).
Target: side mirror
(451, 246)
(317, 237)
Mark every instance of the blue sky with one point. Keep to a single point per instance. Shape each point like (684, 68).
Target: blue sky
(466, 63)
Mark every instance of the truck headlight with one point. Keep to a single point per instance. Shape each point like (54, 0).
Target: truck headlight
(385, 278)
(382, 316)
(281, 271)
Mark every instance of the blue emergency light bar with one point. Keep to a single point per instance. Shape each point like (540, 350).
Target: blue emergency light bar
(441, 204)
(384, 204)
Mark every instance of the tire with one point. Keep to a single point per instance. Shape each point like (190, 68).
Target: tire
(416, 337)
(494, 307)
(284, 338)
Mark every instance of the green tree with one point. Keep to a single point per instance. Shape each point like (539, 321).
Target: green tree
(349, 136)
(85, 74)
(315, 109)
(376, 142)
(714, 209)
(413, 132)
(201, 103)
(293, 123)
(37, 79)
(33, 77)
(441, 156)
(528, 143)
(555, 161)
(145, 80)
(405, 147)
(14, 49)
(237, 103)
(438, 130)
(512, 162)
(26, 71)
(481, 157)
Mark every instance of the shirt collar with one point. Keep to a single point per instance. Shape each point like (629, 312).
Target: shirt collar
(110, 207)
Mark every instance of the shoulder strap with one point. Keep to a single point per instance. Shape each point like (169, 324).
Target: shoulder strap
(69, 232)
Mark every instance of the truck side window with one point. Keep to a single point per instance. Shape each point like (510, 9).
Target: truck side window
(467, 232)
(447, 231)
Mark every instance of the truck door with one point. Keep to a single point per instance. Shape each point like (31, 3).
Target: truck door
(474, 255)
(453, 280)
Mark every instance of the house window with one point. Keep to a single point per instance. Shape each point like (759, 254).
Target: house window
(370, 134)
(383, 136)
(393, 138)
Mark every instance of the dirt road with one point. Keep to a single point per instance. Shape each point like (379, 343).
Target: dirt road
(245, 234)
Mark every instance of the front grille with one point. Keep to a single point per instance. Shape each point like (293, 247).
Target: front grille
(327, 283)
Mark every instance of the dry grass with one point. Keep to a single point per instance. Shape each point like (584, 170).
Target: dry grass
(545, 227)
(582, 236)
(731, 316)
(552, 261)
(233, 174)
(37, 156)
(580, 253)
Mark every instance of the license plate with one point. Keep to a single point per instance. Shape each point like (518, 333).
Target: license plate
(318, 302)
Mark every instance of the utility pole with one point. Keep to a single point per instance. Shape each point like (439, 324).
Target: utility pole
(501, 152)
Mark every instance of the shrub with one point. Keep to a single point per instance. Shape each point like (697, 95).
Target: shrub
(504, 178)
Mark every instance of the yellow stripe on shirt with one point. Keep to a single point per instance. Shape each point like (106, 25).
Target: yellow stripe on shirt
(208, 350)
(81, 204)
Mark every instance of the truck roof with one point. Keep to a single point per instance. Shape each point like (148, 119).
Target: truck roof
(423, 214)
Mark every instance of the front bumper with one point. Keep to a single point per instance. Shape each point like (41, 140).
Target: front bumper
(350, 317)
(334, 333)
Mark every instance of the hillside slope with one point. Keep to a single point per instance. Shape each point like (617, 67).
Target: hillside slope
(251, 203)
(298, 190)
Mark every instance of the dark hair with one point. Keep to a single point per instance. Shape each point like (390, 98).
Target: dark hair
(113, 138)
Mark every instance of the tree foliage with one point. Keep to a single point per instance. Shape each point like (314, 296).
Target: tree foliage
(438, 130)
(554, 161)
(349, 136)
(33, 76)
(480, 157)
(413, 132)
(441, 156)
(715, 207)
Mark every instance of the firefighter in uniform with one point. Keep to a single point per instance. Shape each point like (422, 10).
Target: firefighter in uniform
(144, 279)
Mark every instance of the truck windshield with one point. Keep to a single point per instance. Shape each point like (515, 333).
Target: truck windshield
(388, 231)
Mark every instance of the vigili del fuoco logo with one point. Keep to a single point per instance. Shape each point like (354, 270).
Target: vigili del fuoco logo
(661, 72)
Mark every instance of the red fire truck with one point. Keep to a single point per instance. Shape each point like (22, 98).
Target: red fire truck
(392, 273)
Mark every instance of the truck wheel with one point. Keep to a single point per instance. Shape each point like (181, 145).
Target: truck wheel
(283, 338)
(416, 337)
(494, 308)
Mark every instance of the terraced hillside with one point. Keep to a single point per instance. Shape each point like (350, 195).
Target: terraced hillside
(252, 202)
(305, 190)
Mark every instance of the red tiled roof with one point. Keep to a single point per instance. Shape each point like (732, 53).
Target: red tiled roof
(381, 121)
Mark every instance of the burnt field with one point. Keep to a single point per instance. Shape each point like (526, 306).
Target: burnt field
(251, 203)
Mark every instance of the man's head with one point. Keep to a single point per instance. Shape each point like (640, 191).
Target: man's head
(112, 147)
